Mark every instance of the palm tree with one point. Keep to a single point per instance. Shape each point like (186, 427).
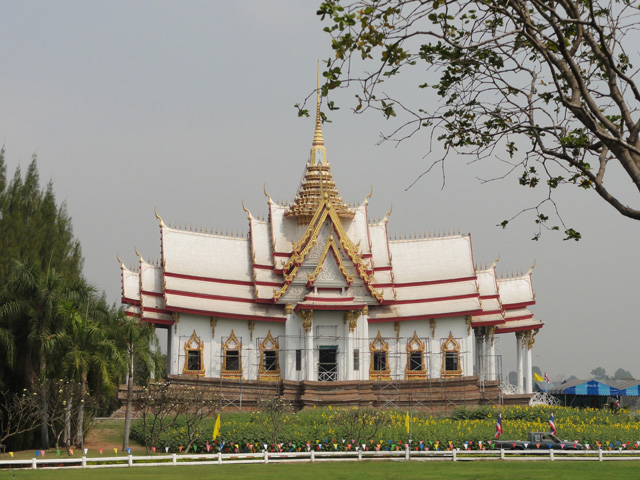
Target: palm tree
(31, 303)
(139, 344)
(86, 347)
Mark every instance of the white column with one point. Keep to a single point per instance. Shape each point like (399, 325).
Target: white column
(169, 350)
(491, 355)
(307, 323)
(527, 363)
(519, 358)
(469, 357)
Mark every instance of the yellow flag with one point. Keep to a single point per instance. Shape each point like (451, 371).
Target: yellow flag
(537, 377)
(115, 450)
(11, 453)
(216, 428)
(406, 422)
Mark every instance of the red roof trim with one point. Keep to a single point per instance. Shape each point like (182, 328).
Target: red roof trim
(151, 294)
(519, 329)
(328, 299)
(208, 279)
(238, 316)
(429, 300)
(423, 284)
(264, 267)
(156, 310)
(515, 306)
(281, 254)
(130, 301)
(521, 317)
(489, 297)
(383, 269)
(131, 314)
(209, 297)
(302, 306)
(422, 317)
(486, 323)
(156, 321)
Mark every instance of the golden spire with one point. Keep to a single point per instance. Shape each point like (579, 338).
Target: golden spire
(317, 183)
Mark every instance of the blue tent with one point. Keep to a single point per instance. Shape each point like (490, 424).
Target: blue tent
(593, 387)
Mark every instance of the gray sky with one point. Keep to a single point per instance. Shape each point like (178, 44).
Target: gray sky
(188, 106)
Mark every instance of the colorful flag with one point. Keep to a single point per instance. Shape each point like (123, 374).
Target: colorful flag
(499, 426)
(618, 403)
(537, 377)
(407, 421)
(546, 379)
(216, 428)
(552, 424)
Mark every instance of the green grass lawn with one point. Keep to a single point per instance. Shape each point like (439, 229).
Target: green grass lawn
(490, 470)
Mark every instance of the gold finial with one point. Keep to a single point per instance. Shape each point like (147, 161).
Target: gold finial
(120, 260)
(246, 210)
(495, 262)
(386, 219)
(318, 141)
(531, 268)
(267, 195)
(158, 216)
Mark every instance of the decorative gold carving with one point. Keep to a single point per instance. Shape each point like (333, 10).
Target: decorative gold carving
(213, 321)
(451, 351)
(308, 241)
(269, 344)
(353, 321)
(491, 332)
(288, 309)
(379, 349)
(396, 327)
(365, 310)
(348, 315)
(307, 319)
(532, 338)
(415, 346)
(251, 324)
(269, 201)
(232, 344)
(193, 348)
(366, 200)
(330, 245)
(467, 320)
(248, 212)
(531, 268)
(155, 210)
(176, 318)
(433, 322)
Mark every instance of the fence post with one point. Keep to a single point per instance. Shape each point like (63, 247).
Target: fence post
(455, 457)
(599, 454)
(34, 463)
(551, 457)
(84, 462)
(313, 456)
(502, 454)
(407, 454)
(173, 459)
(130, 460)
(220, 458)
(266, 456)
(359, 454)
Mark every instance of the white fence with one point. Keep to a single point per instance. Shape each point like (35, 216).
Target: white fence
(312, 456)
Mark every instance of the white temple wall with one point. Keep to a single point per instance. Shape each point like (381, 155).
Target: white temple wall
(295, 341)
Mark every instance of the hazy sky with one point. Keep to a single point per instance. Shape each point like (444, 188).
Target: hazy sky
(188, 106)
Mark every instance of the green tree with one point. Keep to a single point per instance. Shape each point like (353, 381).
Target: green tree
(599, 373)
(85, 347)
(31, 305)
(622, 374)
(548, 87)
(138, 345)
(33, 228)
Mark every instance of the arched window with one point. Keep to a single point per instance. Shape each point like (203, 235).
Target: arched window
(232, 357)
(269, 359)
(379, 368)
(416, 368)
(451, 364)
(193, 364)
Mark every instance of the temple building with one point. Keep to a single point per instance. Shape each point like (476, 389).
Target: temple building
(318, 292)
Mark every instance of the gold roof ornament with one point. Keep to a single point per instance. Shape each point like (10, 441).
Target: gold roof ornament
(317, 181)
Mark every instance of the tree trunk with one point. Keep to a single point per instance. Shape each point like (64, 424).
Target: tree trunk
(44, 405)
(127, 416)
(80, 426)
(67, 423)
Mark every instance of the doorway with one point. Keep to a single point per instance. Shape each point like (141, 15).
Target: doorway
(328, 363)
